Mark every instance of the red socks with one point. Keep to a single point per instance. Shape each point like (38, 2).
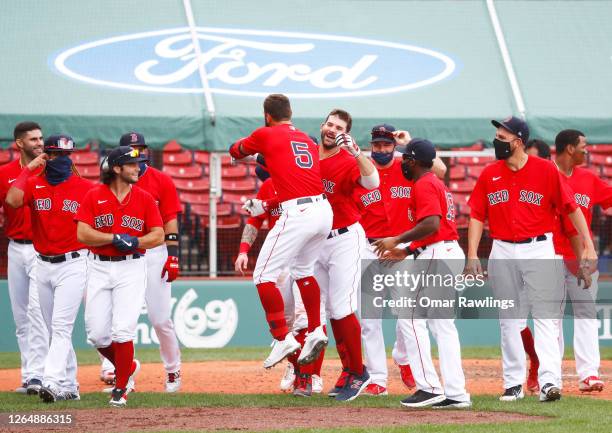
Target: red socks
(347, 332)
(529, 345)
(311, 297)
(300, 337)
(124, 357)
(108, 353)
(273, 305)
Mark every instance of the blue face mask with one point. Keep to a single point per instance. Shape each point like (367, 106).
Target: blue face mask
(58, 170)
(143, 167)
(382, 158)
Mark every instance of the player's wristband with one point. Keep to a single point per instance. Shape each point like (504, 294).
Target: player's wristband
(22, 179)
(172, 250)
(244, 248)
(408, 250)
(172, 237)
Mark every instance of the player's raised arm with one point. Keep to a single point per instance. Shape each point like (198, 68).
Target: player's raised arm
(15, 194)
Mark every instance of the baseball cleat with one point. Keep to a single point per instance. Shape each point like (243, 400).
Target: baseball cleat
(34, 386)
(375, 390)
(550, 392)
(281, 350)
(513, 393)
(339, 383)
(355, 384)
(131, 385)
(118, 397)
(452, 404)
(108, 377)
(48, 395)
(313, 345)
(317, 384)
(406, 375)
(173, 381)
(590, 384)
(23, 389)
(66, 395)
(422, 399)
(286, 383)
(303, 385)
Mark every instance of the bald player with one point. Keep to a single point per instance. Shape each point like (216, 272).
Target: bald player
(520, 196)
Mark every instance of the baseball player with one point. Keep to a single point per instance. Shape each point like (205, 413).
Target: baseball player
(295, 314)
(31, 331)
(118, 221)
(589, 190)
(292, 160)
(338, 266)
(54, 197)
(434, 244)
(162, 263)
(520, 196)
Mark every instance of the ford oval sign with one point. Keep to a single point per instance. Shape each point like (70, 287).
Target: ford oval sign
(254, 63)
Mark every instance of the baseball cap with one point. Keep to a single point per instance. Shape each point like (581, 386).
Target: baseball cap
(515, 125)
(383, 133)
(132, 139)
(60, 142)
(419, 149)
(124, 155)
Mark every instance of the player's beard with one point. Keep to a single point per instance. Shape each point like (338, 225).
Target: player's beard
(407, 172)
(327, 146)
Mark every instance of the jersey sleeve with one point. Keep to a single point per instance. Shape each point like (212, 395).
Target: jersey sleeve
(86, 210)
(255, 142)
(427, 201)
(561, 193)
(169, 204)
(603, 193)
(27, 192)
(152, 216)
(478, 201)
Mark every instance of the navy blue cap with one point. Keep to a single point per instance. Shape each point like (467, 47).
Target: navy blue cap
(384, 133)
(132, 139)
(59, 143)
(419, 149)
(124, 155)
(515, 125)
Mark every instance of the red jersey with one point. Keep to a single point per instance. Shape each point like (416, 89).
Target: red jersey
(161, 187)
(340, 175)
(53, 209)
(135, 215)
(520, 204)
(292, 159)
(589, 190)
(266, 192)
(385, 210)
(17, 222)
(431, 197)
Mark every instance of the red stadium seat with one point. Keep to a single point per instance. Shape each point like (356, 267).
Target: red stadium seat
(223, 209)
(89, 171)
(244, 186)
(461, 200)
(86, 148)
(235, 198)
(85, 158)
(475, 171)
(466, 185)
(189, 185)
(479, 145)
(457, 173)
(14, 146)
(5, 156)
(605, 149)
(596, 169)
(194, 198)
(178, 158)
(226, 159)
(201, 157)
(172, 147)
(475, 160)
(188, 172)
(236, 171)
(607, 172)
(599, 159)
(225, 223)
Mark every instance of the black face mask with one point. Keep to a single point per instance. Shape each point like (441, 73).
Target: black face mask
(58, 170)
(142, 165)
(407, 171)
(502, 149)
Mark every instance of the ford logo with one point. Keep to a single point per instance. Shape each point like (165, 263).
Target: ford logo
(254, 63)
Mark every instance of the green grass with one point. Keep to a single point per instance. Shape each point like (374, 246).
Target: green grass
(570, 415)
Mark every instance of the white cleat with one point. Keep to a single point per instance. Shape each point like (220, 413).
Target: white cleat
(281, 350)
(131, 385)
(173, 382)
(286, 383)
(317, 384)
(313, 345)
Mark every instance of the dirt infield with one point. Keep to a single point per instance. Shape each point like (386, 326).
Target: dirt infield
(248, 377)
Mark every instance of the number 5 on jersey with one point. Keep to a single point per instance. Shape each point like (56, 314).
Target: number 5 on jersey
(303, 158)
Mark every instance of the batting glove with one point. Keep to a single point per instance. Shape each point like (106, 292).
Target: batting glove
(254, 206)
(124, 242)
(347, 143)
(171, 269)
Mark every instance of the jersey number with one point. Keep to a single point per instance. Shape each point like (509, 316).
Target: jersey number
(303, 158)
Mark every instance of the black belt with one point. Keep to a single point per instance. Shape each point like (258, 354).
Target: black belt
(341, 231)
(417, 252)
(60, 258)
(22, 241)
(305, 200)
(528, 240)
(116, 258)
